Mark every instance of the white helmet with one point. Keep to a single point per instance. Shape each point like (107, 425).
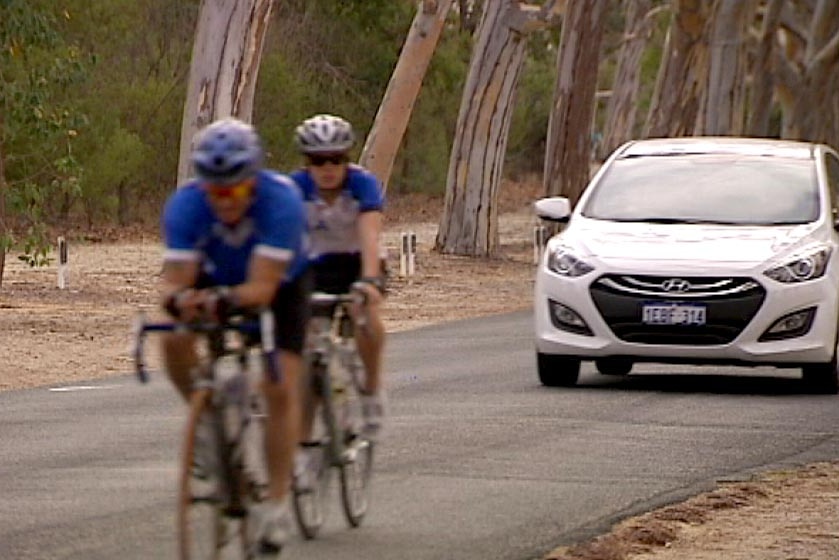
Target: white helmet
(324, 134)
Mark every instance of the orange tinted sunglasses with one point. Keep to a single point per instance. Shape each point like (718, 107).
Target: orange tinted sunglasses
(237, 190)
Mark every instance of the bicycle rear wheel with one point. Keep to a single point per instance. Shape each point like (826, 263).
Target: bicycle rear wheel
(356, 471)
(204, 532)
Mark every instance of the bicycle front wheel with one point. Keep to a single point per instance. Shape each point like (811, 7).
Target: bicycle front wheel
(204, 532)
(356, 471)
(309, 498)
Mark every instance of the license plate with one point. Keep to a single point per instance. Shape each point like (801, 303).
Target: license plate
(673, 314)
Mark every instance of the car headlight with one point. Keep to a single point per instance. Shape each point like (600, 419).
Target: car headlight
(802, 267)
(562, 261)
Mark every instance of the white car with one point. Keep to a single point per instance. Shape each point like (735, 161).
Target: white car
(695, 250)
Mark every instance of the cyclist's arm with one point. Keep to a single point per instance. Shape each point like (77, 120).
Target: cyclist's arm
(264, 277)
(179, 274)
(369, 230)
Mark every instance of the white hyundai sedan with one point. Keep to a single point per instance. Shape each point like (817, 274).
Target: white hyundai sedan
(699, 251)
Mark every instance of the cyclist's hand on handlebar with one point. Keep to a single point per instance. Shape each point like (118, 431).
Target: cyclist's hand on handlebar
(183, 304)
(190, 305)
(370, 293)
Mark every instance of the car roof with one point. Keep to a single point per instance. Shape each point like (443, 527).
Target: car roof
(717, 145)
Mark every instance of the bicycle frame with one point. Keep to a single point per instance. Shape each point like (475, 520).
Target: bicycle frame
(224, 396)
(331, 347)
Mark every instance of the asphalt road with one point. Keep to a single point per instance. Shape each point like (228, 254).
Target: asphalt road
(479, 461)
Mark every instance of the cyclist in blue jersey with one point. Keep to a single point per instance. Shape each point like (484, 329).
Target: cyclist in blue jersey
(344, 203)
(235, 239)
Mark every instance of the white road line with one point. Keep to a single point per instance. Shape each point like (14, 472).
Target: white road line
(81, 388)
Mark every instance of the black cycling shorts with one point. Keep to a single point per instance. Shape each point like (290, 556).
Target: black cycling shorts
(336, 272)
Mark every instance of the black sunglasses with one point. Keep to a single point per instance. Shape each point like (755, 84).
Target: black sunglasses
(336, 159)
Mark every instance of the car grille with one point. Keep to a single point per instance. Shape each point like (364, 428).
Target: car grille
(731, 302)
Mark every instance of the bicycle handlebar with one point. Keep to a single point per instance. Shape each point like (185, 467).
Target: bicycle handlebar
(323, 300)
(264, 327)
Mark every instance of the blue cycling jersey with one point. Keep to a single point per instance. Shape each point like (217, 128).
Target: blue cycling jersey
(332, 227)
(274, 227)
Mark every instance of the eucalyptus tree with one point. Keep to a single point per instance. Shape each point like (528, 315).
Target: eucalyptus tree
(807, 76)
(568, 150)
(385, 136)
(469, 224)
(763, 70)
(723, 110)
(225, 65)
(623, 103)
(683, 73)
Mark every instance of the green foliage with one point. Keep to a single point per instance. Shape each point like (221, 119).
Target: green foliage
(40, 119)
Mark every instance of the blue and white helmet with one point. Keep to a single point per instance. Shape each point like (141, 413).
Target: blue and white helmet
(324, 134)
(227, 151)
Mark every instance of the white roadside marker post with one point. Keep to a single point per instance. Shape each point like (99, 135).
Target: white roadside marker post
(407, 254)
(62, 263)
(412, 253)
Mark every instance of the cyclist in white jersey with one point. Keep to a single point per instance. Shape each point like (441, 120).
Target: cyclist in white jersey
(344, 203)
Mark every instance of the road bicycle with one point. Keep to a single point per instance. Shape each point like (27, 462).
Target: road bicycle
(337, 440)
(226, 404)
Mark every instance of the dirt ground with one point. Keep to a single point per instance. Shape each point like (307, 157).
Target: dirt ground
(52, 336)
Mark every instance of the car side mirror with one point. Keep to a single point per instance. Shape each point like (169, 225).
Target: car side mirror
(553, 209)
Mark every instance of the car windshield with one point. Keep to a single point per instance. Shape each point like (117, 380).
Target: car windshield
(707, 188)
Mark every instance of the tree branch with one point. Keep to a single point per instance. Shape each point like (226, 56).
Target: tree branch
(526, 18)
(828, 54)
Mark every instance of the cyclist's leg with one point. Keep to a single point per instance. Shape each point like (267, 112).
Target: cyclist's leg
(370, 342)
(291, 308)
(179, 359)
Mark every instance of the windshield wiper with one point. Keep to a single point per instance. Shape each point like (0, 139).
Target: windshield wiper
(661, 220)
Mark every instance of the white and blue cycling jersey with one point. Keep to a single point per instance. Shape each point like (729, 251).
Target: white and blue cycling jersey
(332, 227)
(274, 227)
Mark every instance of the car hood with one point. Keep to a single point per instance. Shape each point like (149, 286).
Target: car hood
(746, 245)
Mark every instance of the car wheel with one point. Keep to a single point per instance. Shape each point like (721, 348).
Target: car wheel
(557, 371)
(822, 379)
(614, 366)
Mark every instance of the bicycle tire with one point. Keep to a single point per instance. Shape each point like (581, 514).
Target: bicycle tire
(310, 504)
(204, 531)
(356, 464)
(356, 471)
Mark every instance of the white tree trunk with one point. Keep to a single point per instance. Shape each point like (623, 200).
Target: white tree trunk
(224, 68)
(621, 110)
(683, 74)
(762, 72)
(568, 151)
(726, 91)
(815, 110)
(469, 225)
(392, 118)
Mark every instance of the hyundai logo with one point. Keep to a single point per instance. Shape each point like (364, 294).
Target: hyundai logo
(675, 285)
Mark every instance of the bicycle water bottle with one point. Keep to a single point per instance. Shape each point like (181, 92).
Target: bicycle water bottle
(234, 388)
(253, 438)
